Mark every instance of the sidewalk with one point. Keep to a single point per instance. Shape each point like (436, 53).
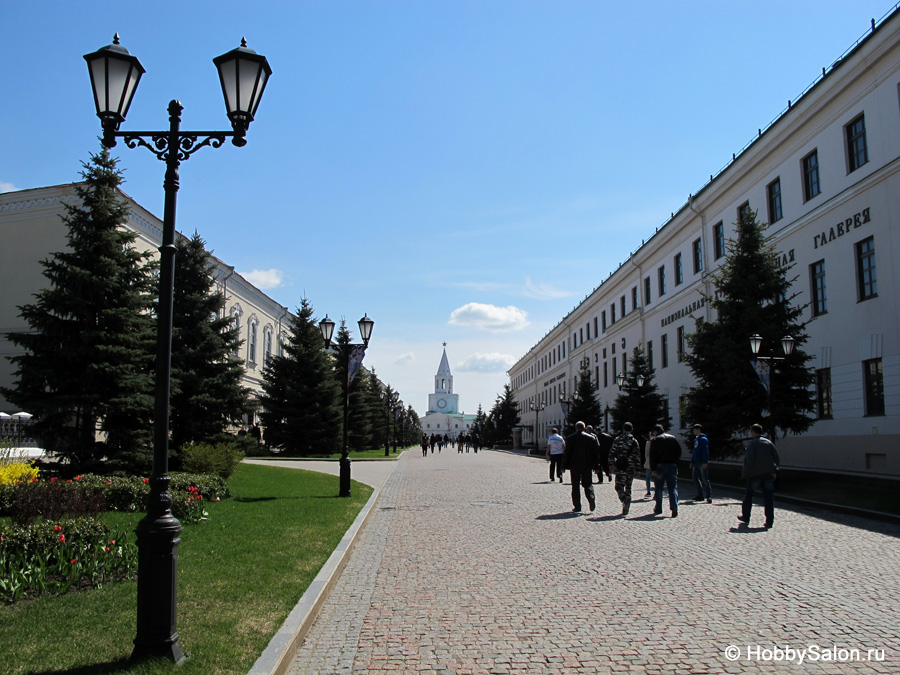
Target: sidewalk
(475, 564)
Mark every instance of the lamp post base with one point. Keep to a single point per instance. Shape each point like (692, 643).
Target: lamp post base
(345, 477)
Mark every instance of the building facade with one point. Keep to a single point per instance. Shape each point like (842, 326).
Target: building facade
(825, 176)
(32, 230)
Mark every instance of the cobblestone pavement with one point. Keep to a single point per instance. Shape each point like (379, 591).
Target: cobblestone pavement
(474, 564)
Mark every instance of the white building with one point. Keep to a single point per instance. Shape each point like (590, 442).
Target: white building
(443, 416)
(31, 229)
(826, 176)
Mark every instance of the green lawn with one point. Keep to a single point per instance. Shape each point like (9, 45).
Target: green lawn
(240, 574)
(361, 454)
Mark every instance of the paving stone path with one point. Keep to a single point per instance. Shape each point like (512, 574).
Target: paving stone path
(473, 564)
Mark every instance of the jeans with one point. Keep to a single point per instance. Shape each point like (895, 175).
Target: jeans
(766, 483)
(649, 477)
(667, 473)
(556, 469)
(701, 481)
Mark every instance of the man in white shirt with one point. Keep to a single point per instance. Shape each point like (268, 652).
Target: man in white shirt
(556, 446)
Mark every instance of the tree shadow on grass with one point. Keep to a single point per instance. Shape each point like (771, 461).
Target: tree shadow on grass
(120, 666)
(250, 500)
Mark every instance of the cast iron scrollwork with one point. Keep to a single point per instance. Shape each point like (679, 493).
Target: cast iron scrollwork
(187, 142)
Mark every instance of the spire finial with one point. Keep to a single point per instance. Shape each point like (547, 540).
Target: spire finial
(116, 39)
(243, 42)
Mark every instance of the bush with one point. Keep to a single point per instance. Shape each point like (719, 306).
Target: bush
(55, 557)
(220, 459)
(51, 500)
(17, 472)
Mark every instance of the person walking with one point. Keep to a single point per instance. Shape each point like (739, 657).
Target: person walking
(648, 472)
(627, 453)
(424, 445)
(606, 441)
(556, 446)
(760, 469)
(580, 458)
(700, 465)
(665, 451)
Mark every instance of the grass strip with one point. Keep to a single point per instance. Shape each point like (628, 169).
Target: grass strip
(240, 574)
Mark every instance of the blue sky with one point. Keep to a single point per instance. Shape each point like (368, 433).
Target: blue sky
(463, 171)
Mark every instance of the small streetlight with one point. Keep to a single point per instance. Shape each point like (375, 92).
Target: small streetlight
(353, 356)
(620, 380)
(765, 370)
(115, 75)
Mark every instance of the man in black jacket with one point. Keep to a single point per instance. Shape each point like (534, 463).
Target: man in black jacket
(580, 458)
(665, 451)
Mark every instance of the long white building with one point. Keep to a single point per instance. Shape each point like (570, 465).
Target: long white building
(31, 229)
(826, 177)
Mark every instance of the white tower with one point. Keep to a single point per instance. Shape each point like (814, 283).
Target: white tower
(443, 399)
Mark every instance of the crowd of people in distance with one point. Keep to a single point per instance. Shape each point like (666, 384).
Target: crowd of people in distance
(587, 452)
(463, 442)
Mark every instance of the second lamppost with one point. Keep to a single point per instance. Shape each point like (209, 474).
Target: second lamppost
(115, 75)
(766, 368)
(352, 355)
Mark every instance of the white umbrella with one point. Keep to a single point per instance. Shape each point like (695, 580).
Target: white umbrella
(4, 416)
(22, 415)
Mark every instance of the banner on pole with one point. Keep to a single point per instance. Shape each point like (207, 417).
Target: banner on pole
(356, 359)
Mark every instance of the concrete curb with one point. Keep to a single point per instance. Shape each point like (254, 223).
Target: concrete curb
(276, 658)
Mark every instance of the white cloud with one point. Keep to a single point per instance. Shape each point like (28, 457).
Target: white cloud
(544, 291)
(487, 363)
(490, 317)
(264, 279)
(403, 359)
(7, 187)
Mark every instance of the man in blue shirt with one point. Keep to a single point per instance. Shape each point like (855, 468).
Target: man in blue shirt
(700, 465)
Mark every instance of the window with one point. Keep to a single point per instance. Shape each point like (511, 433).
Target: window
(236, 322)
(596, 332)
(251, 340)
(697, 248)
(679, 269)
(857, 152)
(605, 374)
(622, 305)
(817, 285)
(661, 285)
(867, 285)
(664, 352)
(811, 175)
(682, 344)
(603, 317)
(774, 193)
(646, 291)
(634, 298)
(612, 313)
(719, 240)
(650, 355)
(743, 211)
(267, 345)
(587, 328)
(581, 335)
(823, 394)
(874, 387)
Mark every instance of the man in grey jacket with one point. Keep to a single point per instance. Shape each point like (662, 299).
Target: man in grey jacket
(760, 469)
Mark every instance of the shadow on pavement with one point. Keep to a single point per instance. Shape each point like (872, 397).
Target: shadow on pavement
(560, 516)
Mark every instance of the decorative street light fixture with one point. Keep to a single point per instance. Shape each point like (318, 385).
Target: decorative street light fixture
(538, 409)
(764, 369)
(115, 75)
(353, 356)
(620, 380)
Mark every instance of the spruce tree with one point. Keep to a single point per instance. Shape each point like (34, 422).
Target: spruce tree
(207, 394)
(359, 431)
(642, 405)
(585, 407)
(301, 408)
(753, 295)
(88, 360)
(504, 416)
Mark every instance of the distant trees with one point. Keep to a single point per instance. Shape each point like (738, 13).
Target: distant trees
(584, 405)
(641, 404)
(503, 418)
(88, 360)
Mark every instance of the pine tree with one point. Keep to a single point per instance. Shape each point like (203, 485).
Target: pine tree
(753, 295)
(585, 407)
(207, 393)
(88, 361)
(642, 405)
(504, 416)
(359, 431)
(301, 409)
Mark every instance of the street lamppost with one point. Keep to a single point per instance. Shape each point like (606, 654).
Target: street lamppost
(398, 408)
(538, 408)
(114, 79)
(620, 381)
(352, 355)
(765, 370)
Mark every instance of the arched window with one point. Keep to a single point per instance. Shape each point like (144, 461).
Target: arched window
(267, 344)
(236, 313)
(252, 330)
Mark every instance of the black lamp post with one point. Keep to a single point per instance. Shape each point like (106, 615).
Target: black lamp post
(538, 408)
(787, 346)
(115, 75)
(398, 409)
(326, 325)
